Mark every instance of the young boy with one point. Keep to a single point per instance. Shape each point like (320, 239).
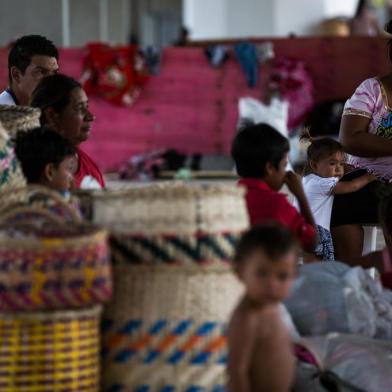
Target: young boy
(260, 351)
(260, 153)
(47, 158)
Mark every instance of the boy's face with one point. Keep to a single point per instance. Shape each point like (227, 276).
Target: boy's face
(60, 178)
(331, 166)
(275, 176)
(268, 281)
(39, 67)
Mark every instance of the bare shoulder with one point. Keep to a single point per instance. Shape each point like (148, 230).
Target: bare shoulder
(261, 322)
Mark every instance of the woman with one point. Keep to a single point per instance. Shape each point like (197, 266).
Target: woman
(365, 22)
(366, 134)
(64, 106)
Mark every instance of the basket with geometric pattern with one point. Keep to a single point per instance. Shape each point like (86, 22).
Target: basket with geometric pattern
(174, 289)
(11, 176)
(45, 264)
(50, 351)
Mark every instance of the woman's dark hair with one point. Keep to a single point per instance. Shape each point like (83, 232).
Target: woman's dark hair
(255, 146)
(273, 239)
(24, 48)
(362, 4)
(53, 91)
(320, 148)
(39, 147)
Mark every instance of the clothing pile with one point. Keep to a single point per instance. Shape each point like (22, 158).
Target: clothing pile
(115, 73)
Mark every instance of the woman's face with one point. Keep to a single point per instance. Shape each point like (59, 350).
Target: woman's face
(74, 122)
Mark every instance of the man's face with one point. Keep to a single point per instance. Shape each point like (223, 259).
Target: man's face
(40, 67)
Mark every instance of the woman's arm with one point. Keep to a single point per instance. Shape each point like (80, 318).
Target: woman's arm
(356, 139)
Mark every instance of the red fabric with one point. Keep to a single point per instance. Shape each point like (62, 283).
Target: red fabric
(114, 73)
(265, 204)
(87, 167)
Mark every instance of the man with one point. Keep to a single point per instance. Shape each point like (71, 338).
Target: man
(31, 58)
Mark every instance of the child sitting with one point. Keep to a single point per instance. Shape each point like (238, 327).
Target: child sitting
(47, 158)
(325, 166)
(260, 350)
(260, 154)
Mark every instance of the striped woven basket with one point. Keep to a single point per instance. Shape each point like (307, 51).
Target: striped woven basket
(11, 176)
(39, 199)
(50, 352)
(164, 329)
(45, 264)
(19, 118)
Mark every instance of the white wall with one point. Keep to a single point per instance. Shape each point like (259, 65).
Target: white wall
(206, 19)
(296, 17)
(247, 18)
(340, 8)
(209, 19)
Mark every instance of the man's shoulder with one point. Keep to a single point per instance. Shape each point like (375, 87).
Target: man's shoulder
(6, 98)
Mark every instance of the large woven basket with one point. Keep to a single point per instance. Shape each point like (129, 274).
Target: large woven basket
(173, 285)
(45, 264)
(19, 118)
(39, 199)
(11, 176)
(50, 352)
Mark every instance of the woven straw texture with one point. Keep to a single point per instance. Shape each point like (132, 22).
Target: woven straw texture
(174, 288)
(19, 118)
(47, 265)
(36, 199)
(50, 352)
(170, 208)
(168, 321)
(11, 176)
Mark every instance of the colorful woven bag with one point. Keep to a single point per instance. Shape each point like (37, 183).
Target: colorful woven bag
(11, 176)
(174, 289)
(45, 264)
(50, 351)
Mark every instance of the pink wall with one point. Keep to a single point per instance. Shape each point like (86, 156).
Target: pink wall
(193, 107)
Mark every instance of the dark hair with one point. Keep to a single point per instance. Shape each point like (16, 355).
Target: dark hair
(362, 5)
(53, 91)
(24, 48)
(255, 146)
(385, 207)
(39, 147)
(319, 148)
(273, 238)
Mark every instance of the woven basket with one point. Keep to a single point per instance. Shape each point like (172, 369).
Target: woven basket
(173, 285)
(11, 176)
(48, 352)
(19, 118)
(45, 264)
(39, 199)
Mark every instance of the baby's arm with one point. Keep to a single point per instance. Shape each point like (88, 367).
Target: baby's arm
(241, 344)
(354, 185)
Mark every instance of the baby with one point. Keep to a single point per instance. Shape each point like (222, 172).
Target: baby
(260, 350)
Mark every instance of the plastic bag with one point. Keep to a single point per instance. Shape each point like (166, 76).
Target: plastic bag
(329, 297)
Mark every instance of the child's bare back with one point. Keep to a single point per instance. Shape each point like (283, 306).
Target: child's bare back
(261, 358)
(260, 350)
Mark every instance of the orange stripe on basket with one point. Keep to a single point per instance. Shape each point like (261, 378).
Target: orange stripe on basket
(141, 343)
(167, 342)
(115, 341)
(192, 342)
(216, 345)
